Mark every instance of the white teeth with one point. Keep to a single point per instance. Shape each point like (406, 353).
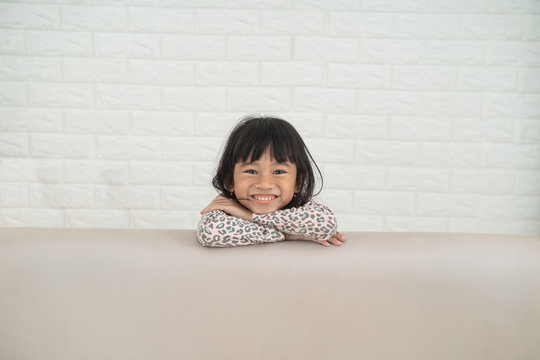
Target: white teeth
(263, 198)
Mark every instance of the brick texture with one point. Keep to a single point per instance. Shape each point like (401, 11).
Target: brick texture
(422, 115)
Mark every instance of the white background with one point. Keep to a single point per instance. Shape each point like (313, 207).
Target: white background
(423, 115)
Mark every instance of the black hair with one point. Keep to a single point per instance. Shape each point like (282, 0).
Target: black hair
(249, 140)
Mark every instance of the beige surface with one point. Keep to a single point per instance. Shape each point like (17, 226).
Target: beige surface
(147, 294)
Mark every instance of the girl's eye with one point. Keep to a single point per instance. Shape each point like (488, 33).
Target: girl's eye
(253, 172)
(279, 172)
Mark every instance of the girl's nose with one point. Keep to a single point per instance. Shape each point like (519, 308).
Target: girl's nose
(264, 182)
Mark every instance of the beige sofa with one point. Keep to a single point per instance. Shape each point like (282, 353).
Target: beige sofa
(148, 294)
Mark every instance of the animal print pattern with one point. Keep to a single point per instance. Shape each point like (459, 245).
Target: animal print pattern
(218, 229)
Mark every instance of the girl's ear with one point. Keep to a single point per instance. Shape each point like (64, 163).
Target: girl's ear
(298, 186)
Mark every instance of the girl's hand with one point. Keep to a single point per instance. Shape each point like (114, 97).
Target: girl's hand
(230, 206)
(337, 239)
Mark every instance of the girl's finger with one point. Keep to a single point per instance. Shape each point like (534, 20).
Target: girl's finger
(205, 210)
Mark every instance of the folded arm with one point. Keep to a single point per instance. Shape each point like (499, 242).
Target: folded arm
(312, 220)
(218, 229)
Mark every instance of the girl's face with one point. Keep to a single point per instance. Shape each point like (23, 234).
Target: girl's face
(266, 184)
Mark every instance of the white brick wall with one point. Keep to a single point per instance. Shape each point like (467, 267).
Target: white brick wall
(423, 115)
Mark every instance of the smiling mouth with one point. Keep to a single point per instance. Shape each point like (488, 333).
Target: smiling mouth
(264, 199)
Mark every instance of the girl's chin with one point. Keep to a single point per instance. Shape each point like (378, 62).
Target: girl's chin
(260, 209)
(263, 212)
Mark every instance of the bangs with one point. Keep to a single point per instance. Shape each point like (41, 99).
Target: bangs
(255, 140)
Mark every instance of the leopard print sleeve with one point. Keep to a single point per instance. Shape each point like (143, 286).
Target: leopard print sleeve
(219, 229)
(313, 220)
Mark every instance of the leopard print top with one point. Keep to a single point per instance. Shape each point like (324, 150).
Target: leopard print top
(313, 220)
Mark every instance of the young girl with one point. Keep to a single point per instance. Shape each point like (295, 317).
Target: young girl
(266, 182)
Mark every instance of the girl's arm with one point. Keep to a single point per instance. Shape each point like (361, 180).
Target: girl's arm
(218, 229)
(313, 221)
